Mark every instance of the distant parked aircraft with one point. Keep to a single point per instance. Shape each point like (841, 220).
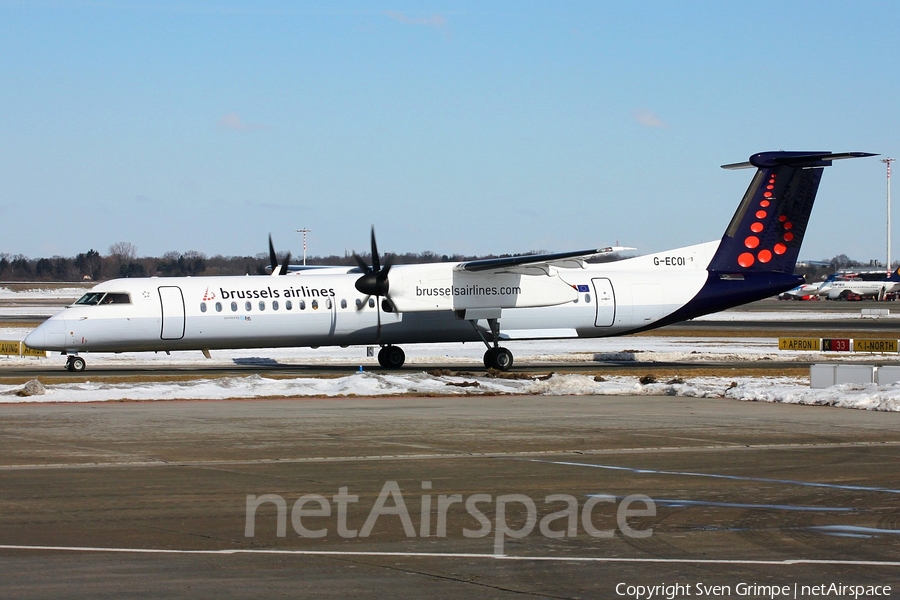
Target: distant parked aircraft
(859, 285)
(804, 291)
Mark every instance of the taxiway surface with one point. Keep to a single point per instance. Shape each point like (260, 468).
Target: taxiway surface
(151, 498)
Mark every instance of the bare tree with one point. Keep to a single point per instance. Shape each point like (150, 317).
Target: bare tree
(122, 256)
(123, 251)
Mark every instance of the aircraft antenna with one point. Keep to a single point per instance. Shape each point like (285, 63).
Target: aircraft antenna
(888, 162)
(304, 231)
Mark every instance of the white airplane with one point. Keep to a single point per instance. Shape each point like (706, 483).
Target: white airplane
(804, 291)
(515, 298)
(861, 285)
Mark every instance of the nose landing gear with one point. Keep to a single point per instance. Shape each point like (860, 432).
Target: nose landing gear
(75, 364)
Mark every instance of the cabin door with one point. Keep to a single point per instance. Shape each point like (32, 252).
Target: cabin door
(172, 304)
(606, 302)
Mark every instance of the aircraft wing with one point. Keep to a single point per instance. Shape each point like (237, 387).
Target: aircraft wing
(527, 263)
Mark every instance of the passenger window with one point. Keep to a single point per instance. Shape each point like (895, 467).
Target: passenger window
(302, 305)
(343, 304)
(371, 303)
(587, 298)
(359, 303)
(315, 305)
(248, 306)
(328, 304)
(262, 305)
(203, 307)
(234, 307)
(274, 304)
(288, 305)
(218, 307)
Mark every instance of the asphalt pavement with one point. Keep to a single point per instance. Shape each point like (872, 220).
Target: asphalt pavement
(503, 497)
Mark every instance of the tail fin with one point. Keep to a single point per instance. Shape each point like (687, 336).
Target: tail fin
(758, 252)
(766, 231)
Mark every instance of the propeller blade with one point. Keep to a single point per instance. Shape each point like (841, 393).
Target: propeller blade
(285, 264)
(384, 284)
(376, 266)
(362, 264)
(273, 260)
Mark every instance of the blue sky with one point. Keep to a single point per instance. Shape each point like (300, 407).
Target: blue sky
(470, 127)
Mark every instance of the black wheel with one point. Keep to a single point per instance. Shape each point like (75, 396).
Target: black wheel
(391, 357)
(500, 359)
(76, 364)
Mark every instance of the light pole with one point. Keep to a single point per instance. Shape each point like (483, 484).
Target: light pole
(304, 231)
(888, 162)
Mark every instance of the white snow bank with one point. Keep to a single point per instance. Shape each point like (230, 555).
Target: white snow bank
(63, 293)
(779, 389)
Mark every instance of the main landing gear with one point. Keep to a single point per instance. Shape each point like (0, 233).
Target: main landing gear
(75, 364)
(391, 357)
(496, 356)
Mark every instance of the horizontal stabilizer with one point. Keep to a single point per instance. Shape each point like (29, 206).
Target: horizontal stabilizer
(794, 159)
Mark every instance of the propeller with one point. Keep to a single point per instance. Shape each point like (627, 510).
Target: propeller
(375, 282)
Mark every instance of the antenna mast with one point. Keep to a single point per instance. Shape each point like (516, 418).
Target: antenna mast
(888, 162)
(304, 231)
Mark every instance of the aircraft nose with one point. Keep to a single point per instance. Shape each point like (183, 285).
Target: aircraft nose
(37, 338)
(49, 335)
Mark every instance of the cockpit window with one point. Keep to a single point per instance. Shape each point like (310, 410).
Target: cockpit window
(92, 298)
(116, 298)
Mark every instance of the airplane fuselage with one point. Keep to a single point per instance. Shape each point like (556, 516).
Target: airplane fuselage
(553, 295)
(322, 308)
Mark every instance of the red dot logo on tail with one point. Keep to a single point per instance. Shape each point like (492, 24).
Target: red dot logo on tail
(764, 255)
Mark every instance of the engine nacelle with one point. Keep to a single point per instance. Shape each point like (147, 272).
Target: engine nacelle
(416, 288)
